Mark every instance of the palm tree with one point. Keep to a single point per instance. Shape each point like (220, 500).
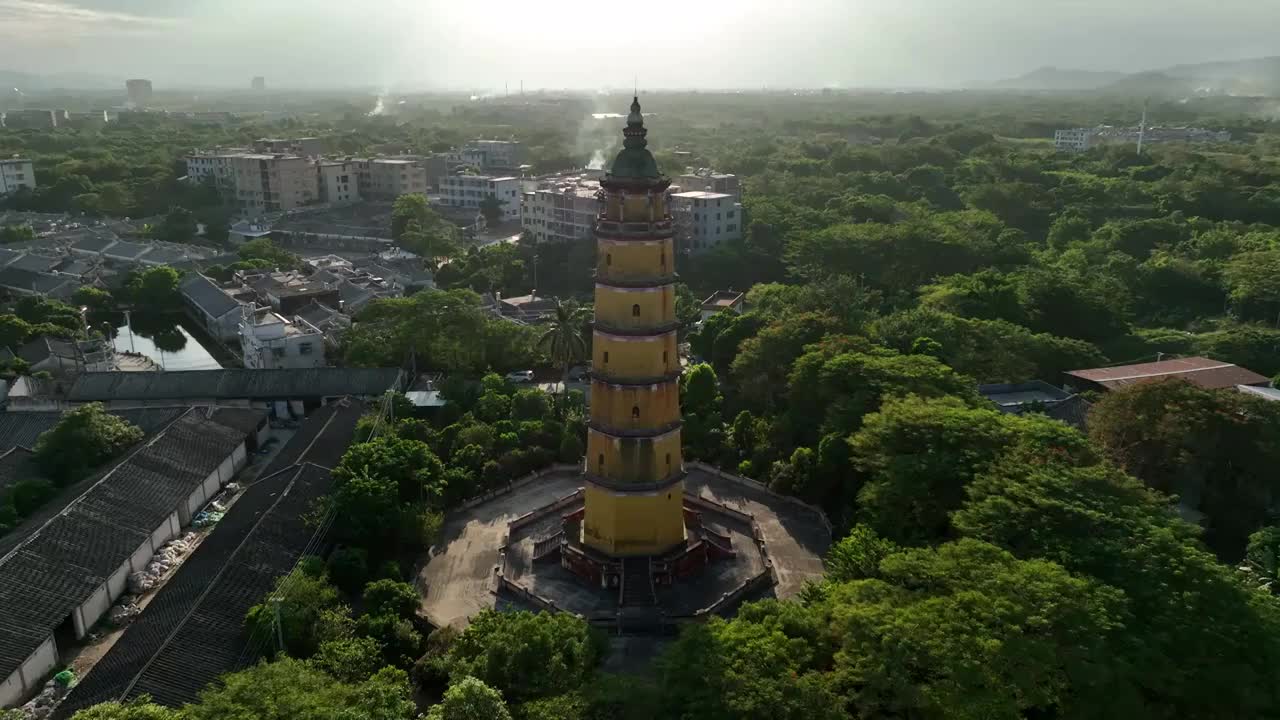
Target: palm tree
(564, 339)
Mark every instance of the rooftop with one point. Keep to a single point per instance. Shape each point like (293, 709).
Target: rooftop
(192, 631)
(206, 295)
(701, 195)
(62, 562)
(1205, 372)
(1012, 396)
(723, 299)
(233, 383)
(1266, 393)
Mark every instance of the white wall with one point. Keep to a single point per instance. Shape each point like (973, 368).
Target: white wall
(25, 679)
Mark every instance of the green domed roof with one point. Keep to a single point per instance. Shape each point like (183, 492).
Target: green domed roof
(635, 160)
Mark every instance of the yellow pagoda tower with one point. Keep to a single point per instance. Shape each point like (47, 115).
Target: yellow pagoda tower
(633, 504)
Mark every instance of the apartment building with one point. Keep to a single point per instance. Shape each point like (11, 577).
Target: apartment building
(705, 180)
(469, 191)
(16, 173)
(705, 220)
(389, 178)
(33, 119)
(339, 181)
(270, 341)
(560, 209)
(490, 155)
(261, 183)
(306, 146)
(139, 92)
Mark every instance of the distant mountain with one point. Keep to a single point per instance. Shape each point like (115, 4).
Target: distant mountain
(1255, 76)
(58, 81)
(1051, 78)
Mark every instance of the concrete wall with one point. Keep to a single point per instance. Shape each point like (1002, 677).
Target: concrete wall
(27, 677)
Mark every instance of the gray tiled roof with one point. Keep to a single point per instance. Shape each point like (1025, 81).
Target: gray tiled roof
(64, 561)
(7, 256)
(35, 263)
(94, 243)
(208, 296)
(27, 281)
(193, 629)
(24, 428)
(232, 383)
(129, 250)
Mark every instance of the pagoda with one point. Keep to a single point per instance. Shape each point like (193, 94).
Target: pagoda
(633, 540)
(633, 499)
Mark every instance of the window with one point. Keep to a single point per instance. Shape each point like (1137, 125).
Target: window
(277, 352)
(606, 356)
(600, 463)
(662, 260)
(717, 216)
(635, 311)
(635, 412)
(668, 461)
(608, 259)
(730, 214)
(304, 349)
(664, 357)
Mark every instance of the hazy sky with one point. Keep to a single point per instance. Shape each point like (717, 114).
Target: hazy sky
(595, 43)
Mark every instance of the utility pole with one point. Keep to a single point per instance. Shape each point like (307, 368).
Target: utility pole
(275, 603)
(1142, 128)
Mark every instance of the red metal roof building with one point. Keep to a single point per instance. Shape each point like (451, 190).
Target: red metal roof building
(1205, 372)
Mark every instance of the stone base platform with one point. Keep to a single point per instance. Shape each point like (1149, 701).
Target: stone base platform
(507, 551)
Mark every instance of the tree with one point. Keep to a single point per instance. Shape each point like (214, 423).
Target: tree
(857, 556)
(96, 299)
(155, 288)
(491, 209)
(349, 568)
(16, 233)
(470, 699)
(409, 464)
(436, 244)
(288, 689)
(920, 454)
(563, 339)
(1216, 450)
(138, 708)
(349, 660)
(408, 208)
(390, 597)
(14, 331)
(178, 226)
(265, 251)
(1099, 523)
(83, 439)
(292, 612)
(525, 655)
(365, 501)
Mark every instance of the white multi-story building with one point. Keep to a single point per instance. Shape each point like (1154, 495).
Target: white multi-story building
(469, 191)
(493, 154)
(704, 220)
(562, 209)
(1074, 139)
(271, 341)
(1081, 139)
(16, 173)
(706, 180)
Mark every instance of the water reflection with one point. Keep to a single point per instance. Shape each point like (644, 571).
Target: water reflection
(159, 337)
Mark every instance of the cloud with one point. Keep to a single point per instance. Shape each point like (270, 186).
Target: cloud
(50, 20)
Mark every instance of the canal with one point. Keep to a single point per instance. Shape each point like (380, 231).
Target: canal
(160, 337)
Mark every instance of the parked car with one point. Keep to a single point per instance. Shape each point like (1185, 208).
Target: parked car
(520, 377)
(579, 373)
